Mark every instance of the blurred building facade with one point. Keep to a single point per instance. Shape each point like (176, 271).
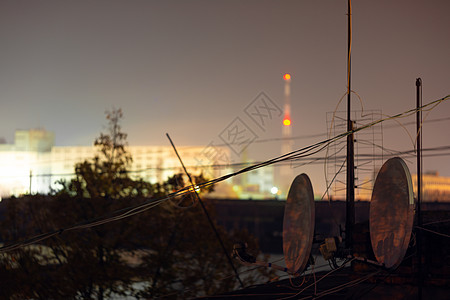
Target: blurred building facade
(32, 164)
(435, 188)
(257, 184)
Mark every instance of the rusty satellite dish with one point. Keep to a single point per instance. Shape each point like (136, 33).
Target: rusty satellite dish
(298, 224)
(391, 213)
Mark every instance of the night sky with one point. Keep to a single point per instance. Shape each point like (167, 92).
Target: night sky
(189, 68)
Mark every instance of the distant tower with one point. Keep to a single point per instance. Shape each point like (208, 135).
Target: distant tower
(286, 174)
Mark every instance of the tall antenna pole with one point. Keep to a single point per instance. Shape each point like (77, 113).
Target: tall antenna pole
(419, 184)
(350, 195)
(31, 179)
(286, 146)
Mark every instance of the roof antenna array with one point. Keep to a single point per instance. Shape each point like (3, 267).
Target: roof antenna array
(390, 218)
(390, 223)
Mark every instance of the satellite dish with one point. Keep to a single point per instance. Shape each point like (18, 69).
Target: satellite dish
(391, 213)
(298, 224)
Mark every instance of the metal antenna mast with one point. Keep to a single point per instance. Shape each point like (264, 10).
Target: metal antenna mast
(419, 183)
(350, 194)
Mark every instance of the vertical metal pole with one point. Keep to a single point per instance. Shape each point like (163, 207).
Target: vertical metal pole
(419, 184)
(350, 195)
(31, 178)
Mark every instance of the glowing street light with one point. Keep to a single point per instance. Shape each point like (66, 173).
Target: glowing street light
(274, 190)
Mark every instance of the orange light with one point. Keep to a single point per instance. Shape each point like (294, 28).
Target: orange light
(286, 122)
(287, 76)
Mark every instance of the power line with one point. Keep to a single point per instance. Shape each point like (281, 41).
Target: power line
(130, 211)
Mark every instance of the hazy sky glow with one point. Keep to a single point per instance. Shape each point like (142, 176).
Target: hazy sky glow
(190, 68)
